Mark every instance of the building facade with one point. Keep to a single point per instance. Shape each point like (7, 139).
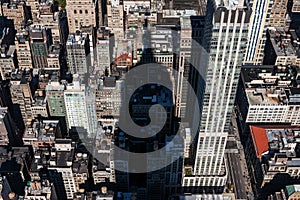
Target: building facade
(76, 112)
(228, 36)
(115, 19)
(81, 13)
(39, 43)
(23, 51)
(258, 30)
(77, 53)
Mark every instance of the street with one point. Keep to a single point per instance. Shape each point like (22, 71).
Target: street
(236, 175)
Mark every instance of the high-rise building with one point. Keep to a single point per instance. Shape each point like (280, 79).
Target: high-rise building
(33, 4)
(60, 168)
(41, 134)
(21, 94)
(183, 66)
(103, 49)
(278, 15)
(80, 106)
(110, 89)
(41, 189)
(115, 19)
(81, 13)
(75, 102)
(295, 14)
(46, 17)
(227, 26)
(39, 43)
(7, 59)
(7, 135)
(15, 161)
(260, 16)
(54, 58)
(271, 155)
(90, 99)
(77, 53)
(15, 11)
(296, 6)
(282, 47)
(39, 104)
(137, 12)
(272, 97)
(23, 50)
(161, 45)
(80, 170)
(55, 99)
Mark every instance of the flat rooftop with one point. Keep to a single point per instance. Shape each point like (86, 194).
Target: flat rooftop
(271, 85)
(76, 39)
(285, 43)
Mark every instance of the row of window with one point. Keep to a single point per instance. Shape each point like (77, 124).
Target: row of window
(81, 11)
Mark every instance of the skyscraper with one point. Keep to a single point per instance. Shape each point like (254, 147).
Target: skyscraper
(227, 30)
(81, 13)
(55, 99)
(103, 51)
(20, 91)
(259, 21)
(39, 43)
(115, 19)
(76, 108)
(23, 50)
(77, 53)
(278, 15)
(15, 11)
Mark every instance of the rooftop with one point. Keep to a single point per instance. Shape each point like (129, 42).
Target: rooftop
(291, 189)
(21, 76)
(44, 131)
(36, 188)
(62, 153)
(230, 3)
(22, 37)
(54, 50)
(152, 94)
(37, 32)
(280, 139)
(77, 39)
(39, 98)
(285, 43)
(3, 112)
(271, 85)
(260, 140)
(103, 33)
(158, 40)
(80, 163)
(55, 85)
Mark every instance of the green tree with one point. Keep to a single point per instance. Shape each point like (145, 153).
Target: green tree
(62, 3)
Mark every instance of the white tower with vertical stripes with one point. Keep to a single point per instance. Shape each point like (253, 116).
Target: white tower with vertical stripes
(228, 40)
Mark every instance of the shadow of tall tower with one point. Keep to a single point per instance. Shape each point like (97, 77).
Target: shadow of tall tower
(148, 84)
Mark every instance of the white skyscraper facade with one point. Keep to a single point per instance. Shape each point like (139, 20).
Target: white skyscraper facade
(259, 21)
(228, 39)
(76, 108)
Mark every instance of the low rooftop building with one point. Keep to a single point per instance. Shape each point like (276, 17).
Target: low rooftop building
(282, 47)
